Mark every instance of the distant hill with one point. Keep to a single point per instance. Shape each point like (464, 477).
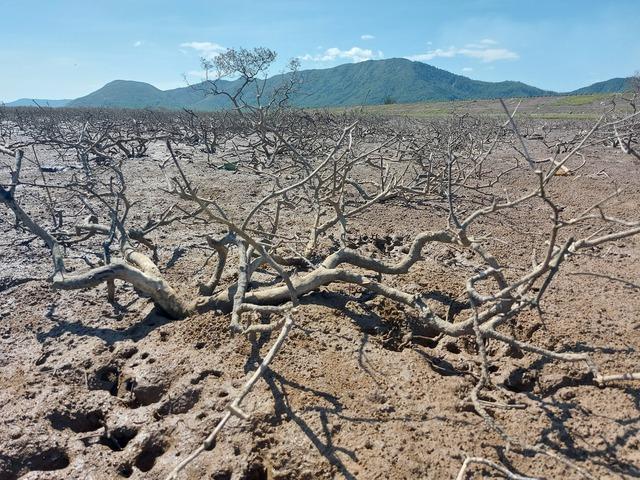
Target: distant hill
(373, 82)
(397, 80)
(366, 83)
(29, 102)
(124, 94)
(614, 85)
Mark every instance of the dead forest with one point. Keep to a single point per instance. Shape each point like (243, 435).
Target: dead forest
(263, 248)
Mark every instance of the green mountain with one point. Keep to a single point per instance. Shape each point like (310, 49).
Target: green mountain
(372, 82)
(31, 102)
(397, 80)
(124, 94)
(365, 83)
(614, 85)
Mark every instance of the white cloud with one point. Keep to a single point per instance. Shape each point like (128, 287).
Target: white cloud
(489, 54)
(137, 43)
(355, 54)
(485, 51)
(366, 36)
(437, 53)
(205, 49)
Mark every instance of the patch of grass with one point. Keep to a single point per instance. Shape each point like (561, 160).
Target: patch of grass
(580, 100)
(547, 108)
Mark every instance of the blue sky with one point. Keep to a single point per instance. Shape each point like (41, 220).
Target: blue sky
(68, 48)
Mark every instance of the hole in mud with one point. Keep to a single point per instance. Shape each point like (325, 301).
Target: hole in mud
(48, 460)
(105, 378)
(521, 381)
(118, 438)
(452, 348)
(144, 355)
(514, 352)
(147, 458)
(256, 471)
(125, 471)
(77, 422)
(128, 384)
(128, 352)
(222, 475)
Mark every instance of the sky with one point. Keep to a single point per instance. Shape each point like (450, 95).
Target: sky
(57, 49)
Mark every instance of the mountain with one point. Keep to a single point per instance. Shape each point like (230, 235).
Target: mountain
(124, 94)
(365, 83)
(29, 102)
(614, 85)
(395, 80)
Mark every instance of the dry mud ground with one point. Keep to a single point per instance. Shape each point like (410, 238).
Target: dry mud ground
(93, 391)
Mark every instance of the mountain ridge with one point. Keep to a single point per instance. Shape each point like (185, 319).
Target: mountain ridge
(31, 102)
(371, 82)
(365, 83)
